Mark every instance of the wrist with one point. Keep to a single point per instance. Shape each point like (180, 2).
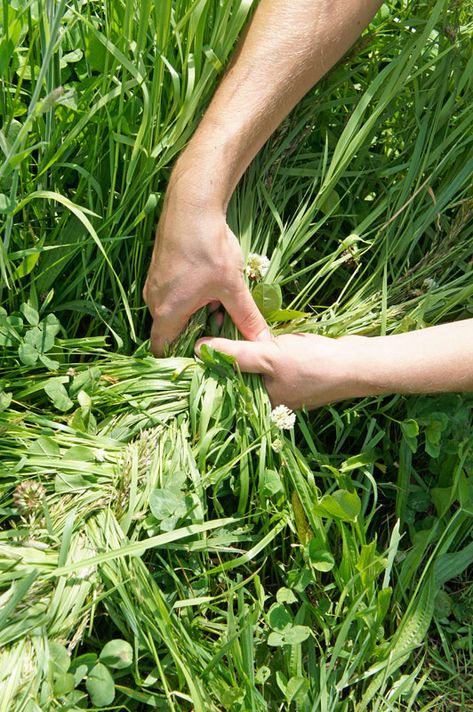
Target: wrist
(197, 177)
(212, 164)
(194, 184)
(385, 365)
(368, 373)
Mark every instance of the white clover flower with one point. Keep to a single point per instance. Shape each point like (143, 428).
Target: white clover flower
(100, 455)
(429, 283)
(282, 417)
(28, 496)
(257, 266)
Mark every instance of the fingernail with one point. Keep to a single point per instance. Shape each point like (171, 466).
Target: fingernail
(264, 335)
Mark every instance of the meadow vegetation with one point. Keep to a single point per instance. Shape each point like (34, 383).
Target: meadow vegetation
(162, 544)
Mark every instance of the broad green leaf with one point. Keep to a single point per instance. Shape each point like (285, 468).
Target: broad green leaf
(52, 325)
(4, 201)
(369, 563)
(321, 559)
(168, 524)
(80, 672)
(279, 618)
(286, 595)
(296, 634)
(433, 433)
(383, 600)
(410, 428)
(117, 654)
(341, 504)
(166, 503)
(297, 689)
(87, 659)
(271, 483)
(63, 684)
(71, 482)
(465, 490)
(46, 445)
(41, 337)
(30, 314)
(419, 500)
(100, 686)
(59, 658)
(5, 400)
(281, 679)
(95, 52)
(299, 580)
(262, 675)
(275, 639)
(285, 315)
(28, 354)
(72, 57)
(50, 363)
(218, 361)
(268, 298)
(452, 564)
(80, 453)
(357, 461)
(58, 394)
(27, 264)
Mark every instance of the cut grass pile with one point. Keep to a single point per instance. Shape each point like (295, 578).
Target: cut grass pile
(151, 501)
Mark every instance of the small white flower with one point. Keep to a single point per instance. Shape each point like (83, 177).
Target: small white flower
(257, 266)
(282, 417)
(84, 573)
(429, 283)
(100, 455)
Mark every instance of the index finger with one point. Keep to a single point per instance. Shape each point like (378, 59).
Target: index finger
(245, 314)
(167, 325)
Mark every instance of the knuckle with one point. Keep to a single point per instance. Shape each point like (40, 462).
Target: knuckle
(251, 319)
(268, 364)
(162, 312)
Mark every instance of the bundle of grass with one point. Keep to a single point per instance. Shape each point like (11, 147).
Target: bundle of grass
(146, 525)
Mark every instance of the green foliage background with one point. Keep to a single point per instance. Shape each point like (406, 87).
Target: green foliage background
(248, 570)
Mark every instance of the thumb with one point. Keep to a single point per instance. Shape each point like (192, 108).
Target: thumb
(245, 314)
(251, 356)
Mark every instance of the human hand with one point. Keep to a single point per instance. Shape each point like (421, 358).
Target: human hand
(299, 369)
(308, 370)
(197, 260)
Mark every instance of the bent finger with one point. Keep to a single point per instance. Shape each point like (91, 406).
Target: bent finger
(246, 316)
(167, 325)
(251, 356)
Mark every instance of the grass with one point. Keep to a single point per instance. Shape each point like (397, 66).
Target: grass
(151, 501)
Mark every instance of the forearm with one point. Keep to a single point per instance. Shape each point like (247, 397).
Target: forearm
(433, 360)
(287, 48)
